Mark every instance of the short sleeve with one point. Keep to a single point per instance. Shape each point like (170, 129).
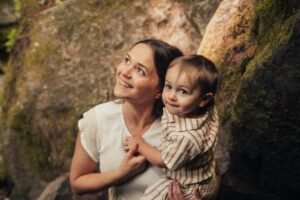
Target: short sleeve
(89, 129)
(176, 151)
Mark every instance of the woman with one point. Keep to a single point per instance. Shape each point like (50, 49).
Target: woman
(139, 81)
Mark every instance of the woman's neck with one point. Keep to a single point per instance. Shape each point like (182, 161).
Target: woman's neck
(138, 117)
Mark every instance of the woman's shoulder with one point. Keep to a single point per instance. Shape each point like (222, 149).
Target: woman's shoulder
(110, 106)
(102, 115)
(106, 108)
(106, 111)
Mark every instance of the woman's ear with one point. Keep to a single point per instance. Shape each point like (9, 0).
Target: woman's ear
(204, 100)
(158, 95)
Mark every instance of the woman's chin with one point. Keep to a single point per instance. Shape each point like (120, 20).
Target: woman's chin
(117, 93)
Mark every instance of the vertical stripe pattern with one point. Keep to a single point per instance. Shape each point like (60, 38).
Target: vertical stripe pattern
(187, 149)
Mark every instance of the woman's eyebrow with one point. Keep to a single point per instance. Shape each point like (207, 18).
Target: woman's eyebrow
(140, 64)
(143, 66)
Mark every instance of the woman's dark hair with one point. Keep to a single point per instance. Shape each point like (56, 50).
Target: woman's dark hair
(164, 54)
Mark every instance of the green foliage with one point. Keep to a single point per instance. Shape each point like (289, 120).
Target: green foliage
(273, 22)
(11, 39)
(17, 6)
(13, 32)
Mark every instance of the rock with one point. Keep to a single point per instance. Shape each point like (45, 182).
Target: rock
(50, 192)
(228, 41)
(256, 46)
(7, 13)
(59, 189)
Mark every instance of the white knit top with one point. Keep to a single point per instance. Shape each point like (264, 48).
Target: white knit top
(103, 131)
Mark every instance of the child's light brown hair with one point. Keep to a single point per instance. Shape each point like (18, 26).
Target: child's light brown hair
(204, 70)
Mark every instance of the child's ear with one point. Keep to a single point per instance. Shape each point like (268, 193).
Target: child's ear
(206, 99)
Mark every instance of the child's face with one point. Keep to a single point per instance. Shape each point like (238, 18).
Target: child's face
(181, 93)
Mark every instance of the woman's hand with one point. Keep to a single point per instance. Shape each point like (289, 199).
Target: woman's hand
(174, 192)
(132, 164)
(131, 143)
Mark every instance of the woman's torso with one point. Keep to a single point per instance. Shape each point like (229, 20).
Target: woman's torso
(111, 133)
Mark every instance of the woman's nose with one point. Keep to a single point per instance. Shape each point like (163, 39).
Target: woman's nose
(126, 71)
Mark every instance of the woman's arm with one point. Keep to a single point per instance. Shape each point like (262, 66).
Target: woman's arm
(149, 152)
(84, 179)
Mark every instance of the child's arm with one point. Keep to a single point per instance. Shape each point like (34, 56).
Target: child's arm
(149, 152)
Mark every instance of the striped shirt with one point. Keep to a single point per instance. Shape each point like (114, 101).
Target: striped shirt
(188, 146)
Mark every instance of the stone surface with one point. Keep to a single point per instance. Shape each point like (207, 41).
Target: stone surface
(256, 46)
(7, 13)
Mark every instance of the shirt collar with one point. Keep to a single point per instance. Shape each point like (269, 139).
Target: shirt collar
(185, 124)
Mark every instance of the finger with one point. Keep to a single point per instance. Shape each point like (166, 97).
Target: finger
(127, 138)
(137, 160)
(176, 190)
(174, 193)
(140, 159)
(197, 192)
(131, 152)
(170, 191)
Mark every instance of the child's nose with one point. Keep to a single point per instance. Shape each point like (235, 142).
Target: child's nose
(172, 95)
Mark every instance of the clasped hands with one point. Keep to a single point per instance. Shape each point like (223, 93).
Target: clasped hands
(132, 162)
(131, 145)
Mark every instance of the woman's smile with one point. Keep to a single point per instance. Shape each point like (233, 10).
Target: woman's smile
(124, 84)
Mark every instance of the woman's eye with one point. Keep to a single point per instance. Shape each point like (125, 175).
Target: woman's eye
(140, 71)
(126, 60)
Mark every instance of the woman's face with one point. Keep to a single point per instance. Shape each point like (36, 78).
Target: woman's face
(136, 77)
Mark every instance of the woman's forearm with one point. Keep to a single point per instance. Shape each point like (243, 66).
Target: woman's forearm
(94, 182)
(84, 179)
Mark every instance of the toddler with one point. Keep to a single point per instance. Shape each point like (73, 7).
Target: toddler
(189, 130)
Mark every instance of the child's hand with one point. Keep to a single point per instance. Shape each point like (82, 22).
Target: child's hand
(130, 143)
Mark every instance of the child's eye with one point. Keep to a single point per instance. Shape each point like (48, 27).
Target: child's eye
(167, 86)
(183, 92)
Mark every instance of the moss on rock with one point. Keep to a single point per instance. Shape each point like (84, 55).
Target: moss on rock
(266, 134)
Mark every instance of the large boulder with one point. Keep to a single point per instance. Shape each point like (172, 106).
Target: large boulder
(256, 46)
(63, 64)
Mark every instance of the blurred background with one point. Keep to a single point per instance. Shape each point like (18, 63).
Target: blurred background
(57, 60)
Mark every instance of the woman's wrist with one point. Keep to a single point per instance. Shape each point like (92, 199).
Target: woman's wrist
(119, 174)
